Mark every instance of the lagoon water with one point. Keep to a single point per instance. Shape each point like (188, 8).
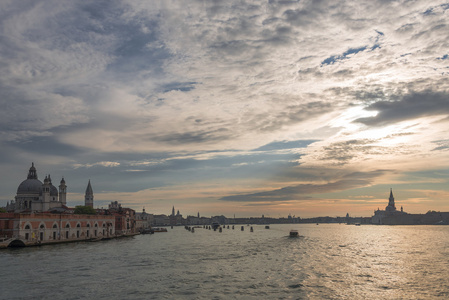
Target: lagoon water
(327, 261)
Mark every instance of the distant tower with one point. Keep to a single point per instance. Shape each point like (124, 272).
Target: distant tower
(46, 193)
(198, 215)
(391, 206)
(63, 192)
(173, 211)
(89, 197)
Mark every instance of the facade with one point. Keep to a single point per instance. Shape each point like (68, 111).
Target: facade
(125, 219)
(37, 228)
(161, 220)
(176, 219)
(39, 215)
(144, 220)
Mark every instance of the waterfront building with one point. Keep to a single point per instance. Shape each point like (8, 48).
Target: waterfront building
(176, 219)
(125, 218)
(44, 228)
(143, 220)
(39, 215)
(161, 220)
(390, 215)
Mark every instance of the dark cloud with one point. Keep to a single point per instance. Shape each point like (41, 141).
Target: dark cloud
(442, 145)
(47, 145)
(178, 86)
(408, 107)
(291, 114)
(302, 191)
(194, 137)
(285, 145)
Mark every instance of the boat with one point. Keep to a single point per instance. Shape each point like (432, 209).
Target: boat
(215, 225)
(267, 227)
(146, 231)
(293, 233)
(159, 229)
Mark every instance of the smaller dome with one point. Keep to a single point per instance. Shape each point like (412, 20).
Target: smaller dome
(53, 190)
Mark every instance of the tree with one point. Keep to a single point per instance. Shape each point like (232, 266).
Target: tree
(84, 210)
(2, 210)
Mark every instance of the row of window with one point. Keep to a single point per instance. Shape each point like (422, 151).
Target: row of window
(42, 226)
(55, 234)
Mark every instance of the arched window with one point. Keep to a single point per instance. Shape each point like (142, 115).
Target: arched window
(42, 226)
(55, 226)
(27, 227)
(67, 225)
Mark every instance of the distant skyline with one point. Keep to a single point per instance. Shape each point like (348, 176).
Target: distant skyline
(308, 108)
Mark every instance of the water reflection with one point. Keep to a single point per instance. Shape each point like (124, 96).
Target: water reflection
(326, 261)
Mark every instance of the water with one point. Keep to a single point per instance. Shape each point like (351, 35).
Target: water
(329, 261)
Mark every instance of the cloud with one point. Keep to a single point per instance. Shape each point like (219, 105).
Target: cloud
(410, 106)
(303, 191)
(285, 145)
(101, 163)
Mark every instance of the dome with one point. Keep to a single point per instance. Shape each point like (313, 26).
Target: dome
(53, 190)
(30, 186)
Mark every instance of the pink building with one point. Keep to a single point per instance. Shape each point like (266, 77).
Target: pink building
(24, 229)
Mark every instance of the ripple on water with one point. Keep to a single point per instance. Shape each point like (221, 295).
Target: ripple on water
(327, 261)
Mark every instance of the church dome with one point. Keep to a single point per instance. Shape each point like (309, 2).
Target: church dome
(30, 186)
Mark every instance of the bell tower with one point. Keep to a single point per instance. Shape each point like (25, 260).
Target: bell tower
(391, 206)
(89, 197)
(63, 192)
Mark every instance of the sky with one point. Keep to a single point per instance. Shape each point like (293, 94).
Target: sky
(245, 108)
